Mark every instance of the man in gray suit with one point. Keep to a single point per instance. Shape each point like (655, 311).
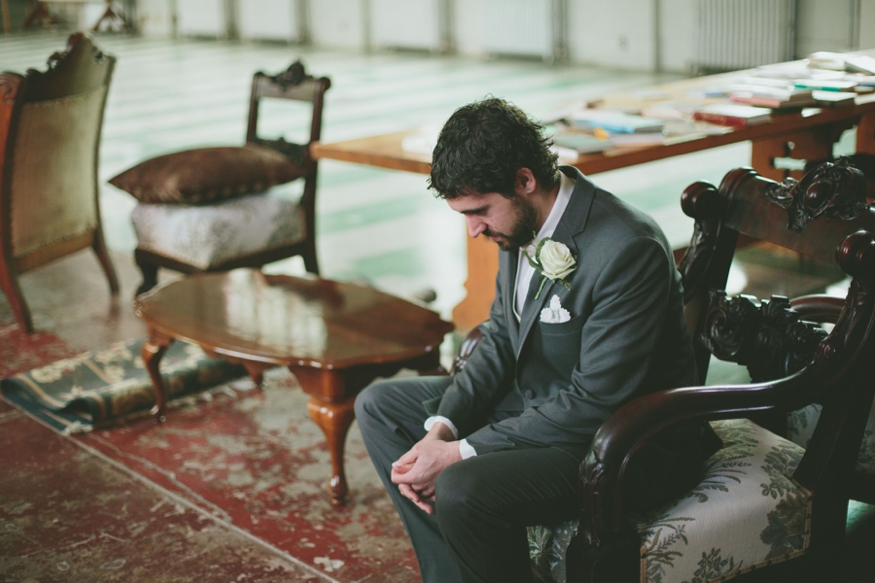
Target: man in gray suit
(588, 314)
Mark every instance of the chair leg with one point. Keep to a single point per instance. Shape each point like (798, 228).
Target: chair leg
(9, 284)
(99, 247)
(150, 272)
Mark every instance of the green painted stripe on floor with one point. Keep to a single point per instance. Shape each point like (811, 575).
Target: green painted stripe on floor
(372, 213)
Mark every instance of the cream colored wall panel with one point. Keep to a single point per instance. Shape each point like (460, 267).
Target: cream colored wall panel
(867, 24)
(201, 18)
(412, 24)
(338, 23)
(612, 34)
(823, 25)
(268, 19)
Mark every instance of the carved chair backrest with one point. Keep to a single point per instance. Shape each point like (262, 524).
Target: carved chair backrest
(825, 216)
(811, 217)
(50, 127)
(293, 83)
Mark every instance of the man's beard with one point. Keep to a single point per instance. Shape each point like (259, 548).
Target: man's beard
(524, 228)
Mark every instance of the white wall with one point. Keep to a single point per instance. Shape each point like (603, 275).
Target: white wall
(411, 24)
(612, 34)
(619, 35)
(867, 24)
(823, 25)
(677, 22)
(201, 18)
(338, 23)
(268, 19)
(155, 18)
(469, 21)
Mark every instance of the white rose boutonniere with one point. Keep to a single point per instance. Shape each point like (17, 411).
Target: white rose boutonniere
(553, 259)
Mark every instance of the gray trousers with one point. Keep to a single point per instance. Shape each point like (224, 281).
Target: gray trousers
(483, 504)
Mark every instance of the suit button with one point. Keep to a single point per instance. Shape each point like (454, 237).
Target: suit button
(530, 395)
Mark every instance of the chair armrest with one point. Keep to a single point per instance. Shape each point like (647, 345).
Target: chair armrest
(818, 307)
(838, 375)
(601, 478)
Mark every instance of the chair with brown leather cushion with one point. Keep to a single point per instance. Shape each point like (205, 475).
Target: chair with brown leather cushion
(220, 208)
(50, 127)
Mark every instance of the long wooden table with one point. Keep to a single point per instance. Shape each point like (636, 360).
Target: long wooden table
(807, 135)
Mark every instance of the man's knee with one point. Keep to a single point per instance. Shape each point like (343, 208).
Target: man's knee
(368, 403)
(457, 492)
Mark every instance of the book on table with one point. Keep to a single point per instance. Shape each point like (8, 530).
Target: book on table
(733, 114)
(825, 84)
(617, 122)
(581, 143)
(772, 96)
(860, 64)
(834, 98)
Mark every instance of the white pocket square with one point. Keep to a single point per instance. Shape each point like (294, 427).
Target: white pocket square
(555, 313)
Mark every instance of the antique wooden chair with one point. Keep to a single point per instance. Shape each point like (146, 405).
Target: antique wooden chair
(205, 210)
(766, 508)
(50, 124)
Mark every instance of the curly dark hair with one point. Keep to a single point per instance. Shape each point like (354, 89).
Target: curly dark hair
(482, 147)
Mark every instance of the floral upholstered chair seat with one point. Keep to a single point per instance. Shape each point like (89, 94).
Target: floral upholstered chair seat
(208, 235)
(748, 480)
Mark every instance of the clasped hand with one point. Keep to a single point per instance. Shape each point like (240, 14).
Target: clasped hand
(417, 471)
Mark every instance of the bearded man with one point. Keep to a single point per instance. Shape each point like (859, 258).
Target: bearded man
(588, 314)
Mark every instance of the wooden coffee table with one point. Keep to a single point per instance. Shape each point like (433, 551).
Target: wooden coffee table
(335, 338)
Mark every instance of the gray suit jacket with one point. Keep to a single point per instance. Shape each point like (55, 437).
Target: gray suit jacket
(627, 334)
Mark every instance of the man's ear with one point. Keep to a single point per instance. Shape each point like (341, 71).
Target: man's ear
(525, 184)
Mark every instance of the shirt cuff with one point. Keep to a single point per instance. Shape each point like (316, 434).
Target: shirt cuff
(466, 450)
(429, 423)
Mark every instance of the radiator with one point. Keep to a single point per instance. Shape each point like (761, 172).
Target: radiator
(525, 27)
(739, 34)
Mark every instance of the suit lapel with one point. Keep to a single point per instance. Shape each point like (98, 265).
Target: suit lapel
(572, 222)
(509, 292)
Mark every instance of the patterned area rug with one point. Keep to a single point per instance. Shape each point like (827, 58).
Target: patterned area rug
(74, 394)
(254, 459)
(20, 352)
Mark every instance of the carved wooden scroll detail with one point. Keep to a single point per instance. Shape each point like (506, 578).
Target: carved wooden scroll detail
(702, 202)
(9, 85)
(767, 337)
(294, 75)
(856, 256)
(832, 190)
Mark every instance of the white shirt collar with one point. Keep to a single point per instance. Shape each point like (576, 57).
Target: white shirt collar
(524, 270)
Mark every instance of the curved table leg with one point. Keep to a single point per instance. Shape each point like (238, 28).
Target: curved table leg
(256, 373)
(152, 351)
(335, 420)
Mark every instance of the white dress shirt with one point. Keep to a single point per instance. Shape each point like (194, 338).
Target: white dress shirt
(525, 272)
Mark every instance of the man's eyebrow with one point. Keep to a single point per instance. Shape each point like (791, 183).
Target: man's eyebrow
(480, 210)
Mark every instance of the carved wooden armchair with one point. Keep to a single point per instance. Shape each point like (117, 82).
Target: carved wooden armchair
(767, 508)
(220, 208)
(50, 125)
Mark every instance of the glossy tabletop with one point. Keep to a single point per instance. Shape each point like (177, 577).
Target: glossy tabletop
(291, 321)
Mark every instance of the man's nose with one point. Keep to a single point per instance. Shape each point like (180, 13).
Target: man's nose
(475, 226)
